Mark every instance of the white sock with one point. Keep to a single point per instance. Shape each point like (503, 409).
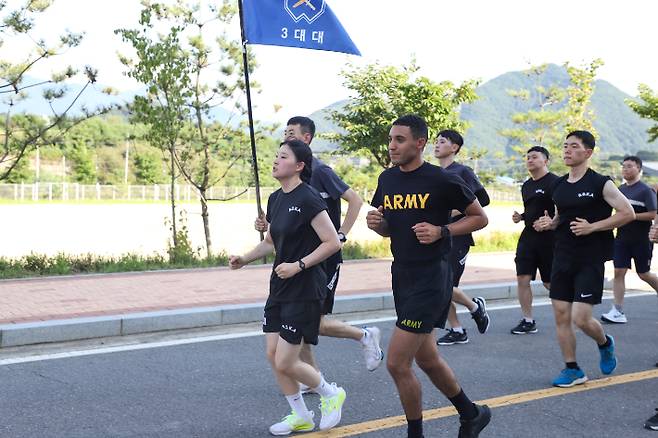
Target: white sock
(528, 320)
(458, 329)
(325, 390)
(296, 402)
(363, 338)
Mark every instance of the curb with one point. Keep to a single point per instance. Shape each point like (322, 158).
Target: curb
(14, 335)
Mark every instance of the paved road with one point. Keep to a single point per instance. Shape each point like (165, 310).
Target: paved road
(224, 388)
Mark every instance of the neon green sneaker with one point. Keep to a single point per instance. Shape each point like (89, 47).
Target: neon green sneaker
(331, 408)
(293, 423)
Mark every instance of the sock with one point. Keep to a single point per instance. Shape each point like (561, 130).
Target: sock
(296, 402)
(415, 428)
(619, 308)
(573, 365)
(607, 343)
(459, 329)
(325, 390)
(477, 306)
(465, 407)
(528, 320)
(363, 338)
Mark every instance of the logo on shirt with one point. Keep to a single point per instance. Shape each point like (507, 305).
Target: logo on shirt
(411, 324)
(293, 208)
(540, 191)
(586, 195)
(406, 202)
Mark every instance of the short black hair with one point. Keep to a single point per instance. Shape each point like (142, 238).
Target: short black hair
(307, 125)
(585, 136)
(416, 124)
(303, 154)
(454, 136)
(541, 150)
(637, 160)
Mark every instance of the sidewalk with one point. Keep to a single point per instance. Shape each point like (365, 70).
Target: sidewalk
(43, 299)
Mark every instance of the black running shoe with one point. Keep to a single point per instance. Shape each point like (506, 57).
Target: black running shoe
(480, 315)
(652, 423)
(472, 428)
(525, 327)
(453, 337)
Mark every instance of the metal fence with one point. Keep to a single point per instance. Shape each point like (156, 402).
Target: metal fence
(74, 192)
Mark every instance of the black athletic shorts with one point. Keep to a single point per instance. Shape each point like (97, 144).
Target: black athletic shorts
(640, 252)
(533, 255)
(575, 280)
(331, 267)
(458, 254)
(293, 321)
(422, 295)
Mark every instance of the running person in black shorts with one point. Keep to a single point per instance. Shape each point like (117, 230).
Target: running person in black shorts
(534, 250)
(652, 423)
(448, 145)
(302, 237)
(632, 240)
(333, 190)
(414, 201)
(583, 227)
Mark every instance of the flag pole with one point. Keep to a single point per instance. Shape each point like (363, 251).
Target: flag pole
(252, 134)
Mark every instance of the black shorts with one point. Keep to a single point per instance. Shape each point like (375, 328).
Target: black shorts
(533, 255)
(332, 268)
(293, 321)
(640, 252)
(575, 280)
(422, 295)
(458, 254)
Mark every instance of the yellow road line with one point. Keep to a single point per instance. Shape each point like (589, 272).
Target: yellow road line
(497, 402)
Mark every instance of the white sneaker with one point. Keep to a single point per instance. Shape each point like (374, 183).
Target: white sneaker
(372, 352)
(614, 316)
(331, 408)
(293, 423)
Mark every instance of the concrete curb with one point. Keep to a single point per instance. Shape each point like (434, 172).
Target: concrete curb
(13, 335)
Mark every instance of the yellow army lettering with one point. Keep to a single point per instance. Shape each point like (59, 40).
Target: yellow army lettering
(411, 324)
(406, 202)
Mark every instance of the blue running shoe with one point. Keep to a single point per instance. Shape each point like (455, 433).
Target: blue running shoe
(569, 377)
(608, 360)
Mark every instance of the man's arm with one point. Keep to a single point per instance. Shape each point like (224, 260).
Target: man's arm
(647, 216)
(377, 223)
(623, 213)
(475, 219)
(354, 204)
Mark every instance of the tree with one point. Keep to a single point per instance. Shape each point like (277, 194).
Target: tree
(186, 79)
(21, 133)
(553, 111)
(381, 94)
(648, 109)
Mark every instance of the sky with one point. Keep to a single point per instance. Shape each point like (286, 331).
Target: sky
(451, 40)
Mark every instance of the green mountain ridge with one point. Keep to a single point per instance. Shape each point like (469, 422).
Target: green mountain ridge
(620, 130)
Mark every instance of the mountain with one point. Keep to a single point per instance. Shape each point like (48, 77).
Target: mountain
(620, 130)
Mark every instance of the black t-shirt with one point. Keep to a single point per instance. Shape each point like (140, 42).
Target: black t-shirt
(537, 198)
(331, 188)
(473, 183)
(643, 199)
(582, 199)
(427, 194)
(290, 216)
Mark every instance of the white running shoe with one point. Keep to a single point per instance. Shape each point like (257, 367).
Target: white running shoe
(293, 423)
(614, 316)
(372, 352)
(331, 408)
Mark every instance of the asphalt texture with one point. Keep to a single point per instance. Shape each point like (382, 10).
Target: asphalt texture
(226, 389)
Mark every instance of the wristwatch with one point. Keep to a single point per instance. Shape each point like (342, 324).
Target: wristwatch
(302, 265)
(445, 232)
(342, 237)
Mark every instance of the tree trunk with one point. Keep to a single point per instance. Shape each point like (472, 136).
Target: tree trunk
(206, 224)
(173, 198)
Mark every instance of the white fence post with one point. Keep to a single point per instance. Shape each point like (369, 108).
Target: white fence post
(50, 191)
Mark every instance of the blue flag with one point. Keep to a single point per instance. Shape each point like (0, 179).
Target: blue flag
(308, 24)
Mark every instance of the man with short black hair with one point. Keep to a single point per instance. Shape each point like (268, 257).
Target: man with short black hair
(414, 200)
(447, 146)
(333, 190)
(583, 226)
(534, 250)
(632, 240)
